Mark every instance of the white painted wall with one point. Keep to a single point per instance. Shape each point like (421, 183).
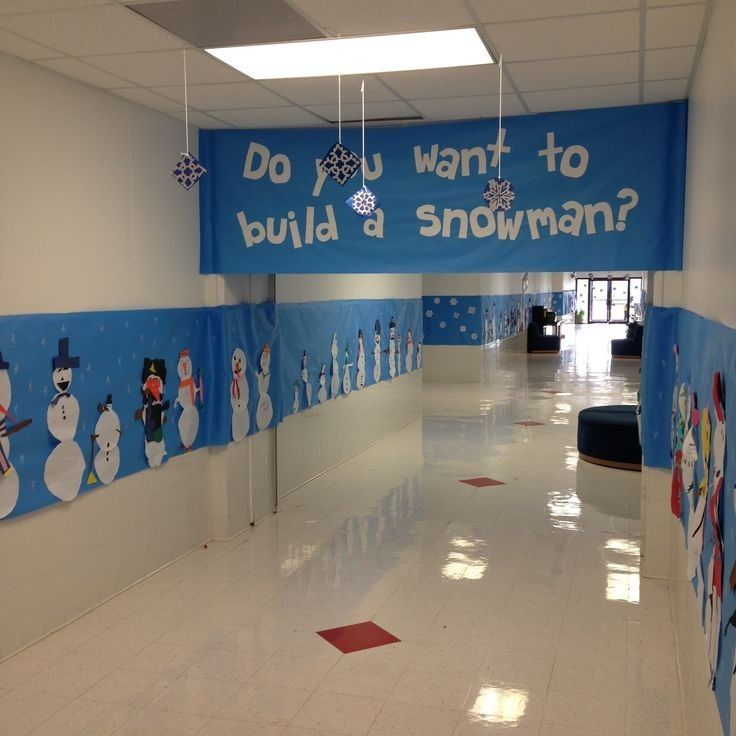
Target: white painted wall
(91, 219)
(705, 287)
(315, 440)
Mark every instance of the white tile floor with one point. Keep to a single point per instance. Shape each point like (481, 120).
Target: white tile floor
(519, 606)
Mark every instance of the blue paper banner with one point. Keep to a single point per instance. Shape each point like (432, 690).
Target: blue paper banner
(688, 365)
(89, 397)
(333, 348)
(595, 190)
(477, 320)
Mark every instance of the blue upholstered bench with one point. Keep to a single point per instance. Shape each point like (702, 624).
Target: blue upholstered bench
(609, 435)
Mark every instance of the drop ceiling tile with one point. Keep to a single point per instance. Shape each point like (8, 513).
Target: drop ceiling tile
(669, 63)
(500, 11)
(275, 117)
(82, 72)
(581, 35)
(679, 26)
(465, 108)
(582, 98)
(373, 110)
(665, 90)
(147, 98)
(8, 7)
(384, 16)
(10, 43)
(323, 90)
(582, 71)
(465, 81)
(229, 96)
(165, 68)
(91, 30)
(201, 120)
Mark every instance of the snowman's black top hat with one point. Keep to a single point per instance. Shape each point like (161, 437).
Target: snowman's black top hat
(63, 359)
(4, 365)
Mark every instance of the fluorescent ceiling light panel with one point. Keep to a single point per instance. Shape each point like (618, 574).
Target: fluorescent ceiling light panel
(360, 55)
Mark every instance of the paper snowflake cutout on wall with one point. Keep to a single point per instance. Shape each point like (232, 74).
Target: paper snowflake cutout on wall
(363, 202)
(463, 328)
(473, 335)
(453, 301)
(188, 171)
(340, 164)
(443, 324)
(429, 314)
(456, 315)
(436, 300)
(471, 310)
(499, 194)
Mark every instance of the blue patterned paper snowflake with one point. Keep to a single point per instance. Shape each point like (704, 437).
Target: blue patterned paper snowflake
(340, 163)
(188, 171)
(499, 194)
(363, 202)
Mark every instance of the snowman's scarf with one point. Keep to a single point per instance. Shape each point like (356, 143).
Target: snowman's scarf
(189, 383)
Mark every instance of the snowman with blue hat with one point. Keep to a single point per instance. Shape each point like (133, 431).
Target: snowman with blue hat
(65, 465)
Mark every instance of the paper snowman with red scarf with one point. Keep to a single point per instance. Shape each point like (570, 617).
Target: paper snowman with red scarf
(186, 398)
(239, 395)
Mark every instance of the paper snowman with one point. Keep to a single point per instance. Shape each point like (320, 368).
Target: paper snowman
(409, 351)
(305, 380)
(347, 379)
(322, 391)
(392, 348)
(295, 400)
(377, 352)
(152, 414)
(419, 354)
(107, 437)
(9, 481)
(264, 410)
(398, 353)
(360, 376)
(239, 395)
(65, 465)
(335, 369)
(186, 398)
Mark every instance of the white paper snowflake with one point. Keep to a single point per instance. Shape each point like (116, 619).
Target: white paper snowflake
(463, 328)
(456, 315)
(429, 314)
(499, 194)
(436, 300)
(474, 335)
(363, 202)
(443, 324)
(453, 301)
(471, 310)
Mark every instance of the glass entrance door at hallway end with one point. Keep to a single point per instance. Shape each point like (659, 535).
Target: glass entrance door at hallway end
(609, 300)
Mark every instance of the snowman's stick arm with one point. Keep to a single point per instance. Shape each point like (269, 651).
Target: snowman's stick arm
(15, 428)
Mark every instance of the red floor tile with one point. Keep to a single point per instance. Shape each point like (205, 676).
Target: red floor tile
(530, 423)
(483, 482)
(356, 637)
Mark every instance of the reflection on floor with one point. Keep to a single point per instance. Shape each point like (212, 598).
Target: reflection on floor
(518, 607)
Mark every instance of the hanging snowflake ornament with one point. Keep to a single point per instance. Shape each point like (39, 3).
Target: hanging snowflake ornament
(499, 194)
(340, 164)
(188, 171)
(363, 202)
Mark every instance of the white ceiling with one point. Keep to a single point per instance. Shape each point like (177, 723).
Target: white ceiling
(558, 55)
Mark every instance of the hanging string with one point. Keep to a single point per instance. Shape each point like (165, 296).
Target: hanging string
(186, 100)
(500, 98)
(339, 108)
(362, 118)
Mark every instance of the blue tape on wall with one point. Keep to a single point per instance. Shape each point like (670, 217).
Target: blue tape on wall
(111, 393)
(476, 320)
(678, 393)
(595, 190)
